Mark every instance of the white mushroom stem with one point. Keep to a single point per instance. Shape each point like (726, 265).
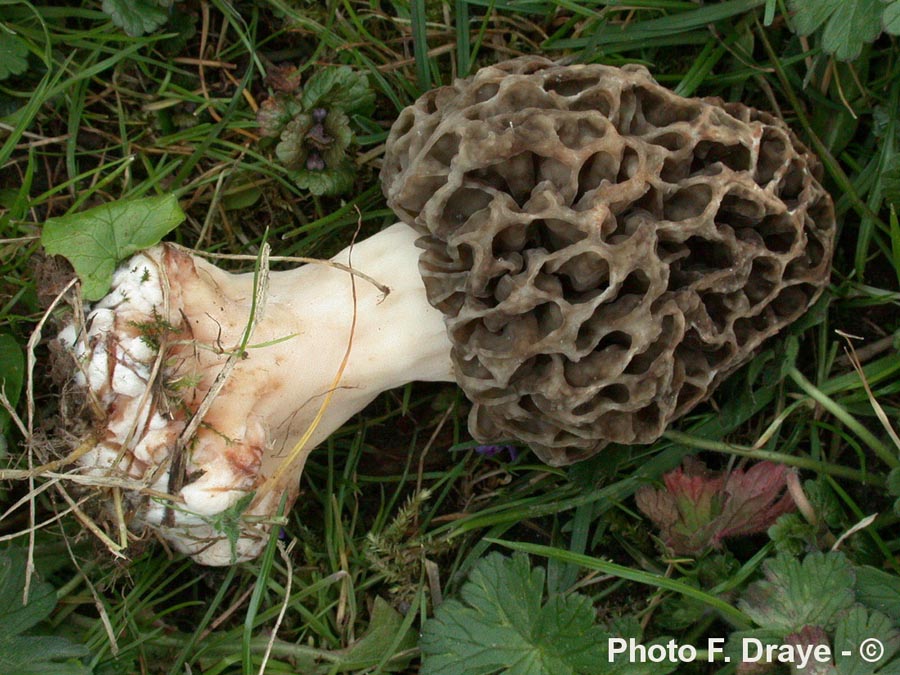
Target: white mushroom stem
(151, 351)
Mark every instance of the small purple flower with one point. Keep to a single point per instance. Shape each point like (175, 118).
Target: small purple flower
(314, 162)
(494, 450)
(319, 115)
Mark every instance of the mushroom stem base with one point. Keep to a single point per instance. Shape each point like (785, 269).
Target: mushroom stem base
(271, 374)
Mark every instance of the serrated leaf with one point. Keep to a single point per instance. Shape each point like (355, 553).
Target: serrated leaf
(859, 631)
(12, 373)
(698, 509)
(31, 655)
(879, 590)
(795, 594)
(136, 17)
(228, 522)
(854, 24)
(809, 640)
(339, 87)
(13, 54)
(848, 24)
(502, 626)
(810, 15)
(566, 623)
(96, 240)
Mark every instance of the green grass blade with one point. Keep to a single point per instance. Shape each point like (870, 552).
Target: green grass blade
(420, 44)
(732, 614)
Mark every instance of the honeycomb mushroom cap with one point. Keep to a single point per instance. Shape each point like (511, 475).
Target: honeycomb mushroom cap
(605, 252)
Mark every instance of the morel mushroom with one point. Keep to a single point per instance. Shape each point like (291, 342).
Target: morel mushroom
(603, 253)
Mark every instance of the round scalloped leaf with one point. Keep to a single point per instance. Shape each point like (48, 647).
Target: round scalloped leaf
(94, 241)
(13, 55)
(339, 87)
(136, 17)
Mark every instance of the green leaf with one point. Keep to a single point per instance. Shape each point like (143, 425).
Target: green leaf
(58, 656)
(893, 482)
(31, 655)
(12, 373)
(19, 617)
(852, 25)
(136, 17)
(13, 54)
(228, 522)
(891, 18)
(890, 190)
(810, 15)
(291, 149)
(859, 631)
(879, 590)
(501, 626)
(384, 627)
(276, 113)
(241, 197)
(94, 241)
(182, 25)
(314, 143)
(795, 594)
(327, 181)
(792, 534)
(894, 224)
(848, 24)
(339, 87)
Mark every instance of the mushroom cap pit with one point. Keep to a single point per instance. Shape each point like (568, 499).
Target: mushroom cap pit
(604, 251)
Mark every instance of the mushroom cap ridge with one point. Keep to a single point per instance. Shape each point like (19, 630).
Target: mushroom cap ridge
(604, 251)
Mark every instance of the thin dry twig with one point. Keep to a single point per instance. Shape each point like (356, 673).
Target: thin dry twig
(30, 362)
(382, 288)
(98, 604)
(95, 529)
(11, 411)
(861, 525)
(876, 406)
(298, 454)
(440, 425)
(209, 63)
(869, 351)
(38, 526)
(286, 557)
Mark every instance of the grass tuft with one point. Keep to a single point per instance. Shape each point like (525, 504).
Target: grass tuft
(400, 505)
